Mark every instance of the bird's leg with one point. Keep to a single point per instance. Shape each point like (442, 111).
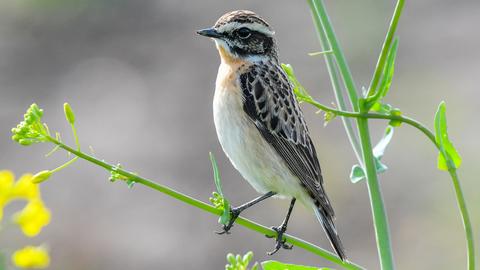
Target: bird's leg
(235, 212)
(280, 242)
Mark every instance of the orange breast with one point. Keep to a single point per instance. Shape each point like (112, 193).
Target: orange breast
(230, 68)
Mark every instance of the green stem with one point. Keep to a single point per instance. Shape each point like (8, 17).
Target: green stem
(3, 262)
(66, 164)
(453, 173)
(327, 34)
(465, 218)
(386, 46)
(378, 210)
(74, 132)
(332, 71)
(399, 118)
(379, 215)
(208, 208)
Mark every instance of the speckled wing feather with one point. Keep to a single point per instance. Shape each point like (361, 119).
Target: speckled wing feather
(269, 101)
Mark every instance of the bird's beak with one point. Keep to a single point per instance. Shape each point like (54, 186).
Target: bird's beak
(210, 32)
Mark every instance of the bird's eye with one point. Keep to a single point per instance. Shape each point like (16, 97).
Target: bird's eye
(244, 33)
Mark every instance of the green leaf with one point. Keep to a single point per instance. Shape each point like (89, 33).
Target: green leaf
(216, 174)
(275, 265)
(379, 149)
(388, 70)
(448, 157)
(219, 201)
(379, 165)
(298, 89)
(387, 77)
(357, 173)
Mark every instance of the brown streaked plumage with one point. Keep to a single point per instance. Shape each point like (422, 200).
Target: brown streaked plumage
(240, 16)
(260, 124)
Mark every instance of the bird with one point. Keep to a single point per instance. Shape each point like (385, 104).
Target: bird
(260, 125)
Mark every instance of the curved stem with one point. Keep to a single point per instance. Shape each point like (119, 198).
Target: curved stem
(63, 166)
(399, 118)
(208, 208)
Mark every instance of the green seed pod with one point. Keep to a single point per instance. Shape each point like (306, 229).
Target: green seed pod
(69, 113)
(41, 176)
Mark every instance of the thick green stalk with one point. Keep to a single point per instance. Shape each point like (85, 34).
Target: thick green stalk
(208, 208)
(376, 201)
(465, 218)
(378, 211)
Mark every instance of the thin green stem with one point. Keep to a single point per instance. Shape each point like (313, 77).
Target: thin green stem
(378, 210)
(208, 208)
(320, 14)
(399, 118)
(74, 132)
(465, 218)
(66, 164)
(320, 53)
(386, 46)
(332, 71)
(3, 262)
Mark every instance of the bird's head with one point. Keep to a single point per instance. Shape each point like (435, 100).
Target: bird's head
(242, 34)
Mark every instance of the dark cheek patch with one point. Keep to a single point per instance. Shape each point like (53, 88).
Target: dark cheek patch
(256, 44)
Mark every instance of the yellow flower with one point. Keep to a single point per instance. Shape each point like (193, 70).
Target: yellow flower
(24, 188)
(31, 257)
(6, 183)
(32, 218)
(6, 180)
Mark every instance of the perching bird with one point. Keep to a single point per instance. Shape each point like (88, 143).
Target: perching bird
(260, 124)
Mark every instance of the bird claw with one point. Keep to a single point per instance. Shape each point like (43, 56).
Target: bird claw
(280, 242)
(234, 213)
(225, 230)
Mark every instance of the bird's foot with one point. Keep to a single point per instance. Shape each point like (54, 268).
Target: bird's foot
(234, 213)
(279, 242)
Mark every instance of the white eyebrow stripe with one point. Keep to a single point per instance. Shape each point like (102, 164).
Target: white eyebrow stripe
(252, 26)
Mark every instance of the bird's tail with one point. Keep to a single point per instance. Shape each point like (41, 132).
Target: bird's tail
(327, 223)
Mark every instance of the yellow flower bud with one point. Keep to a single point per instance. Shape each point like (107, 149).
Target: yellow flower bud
(69, 113)
(41, 176)
(31, 257)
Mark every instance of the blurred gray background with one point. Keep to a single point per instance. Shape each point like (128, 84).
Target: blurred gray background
(141, 83)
